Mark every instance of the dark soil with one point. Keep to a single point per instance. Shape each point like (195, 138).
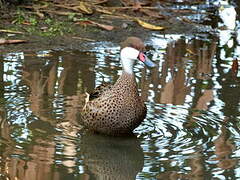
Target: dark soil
(123, 28)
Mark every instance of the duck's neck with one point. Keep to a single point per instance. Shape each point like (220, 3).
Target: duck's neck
(128, 70)
(126, 79)
(127, 65)
(127, 82)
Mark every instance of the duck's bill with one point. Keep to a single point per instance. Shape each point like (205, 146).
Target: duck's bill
(142, 57)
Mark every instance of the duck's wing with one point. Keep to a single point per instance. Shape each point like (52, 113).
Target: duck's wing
(99, 90)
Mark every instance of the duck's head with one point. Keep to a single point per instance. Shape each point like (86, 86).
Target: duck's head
(131, 50)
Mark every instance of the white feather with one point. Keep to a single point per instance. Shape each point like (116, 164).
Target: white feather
(128, 56)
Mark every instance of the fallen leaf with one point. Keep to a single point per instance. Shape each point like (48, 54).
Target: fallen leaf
(131, 7)
(84, 39)
(106, 27)
(75, 8)
(39, 14)
(134, 3)
(92, 2)
(10, 31)
(119, 16)
(26, 23)
(99, 2)
(148, 25)
(83, 22)
(103, 26)
(4, 41)
(104, 10)
(186, 20)
(137, 5)
(85, 8)
(63, 13)
(36, 7)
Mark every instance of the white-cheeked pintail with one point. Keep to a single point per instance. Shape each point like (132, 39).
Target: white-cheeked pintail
(119, 109)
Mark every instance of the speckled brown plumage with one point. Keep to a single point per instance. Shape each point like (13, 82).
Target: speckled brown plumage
(119, 109)
(99, 90)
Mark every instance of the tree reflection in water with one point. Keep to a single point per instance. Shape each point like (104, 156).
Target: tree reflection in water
(189, 133)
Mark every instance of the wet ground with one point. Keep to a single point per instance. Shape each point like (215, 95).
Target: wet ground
(193, 97)
(179, 18)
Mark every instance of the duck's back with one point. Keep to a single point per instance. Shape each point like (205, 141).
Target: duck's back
(118, 110)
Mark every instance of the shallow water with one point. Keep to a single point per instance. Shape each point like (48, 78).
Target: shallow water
(191, 130)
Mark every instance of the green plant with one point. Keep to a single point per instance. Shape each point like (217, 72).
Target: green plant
(20, 17)
(33, 21)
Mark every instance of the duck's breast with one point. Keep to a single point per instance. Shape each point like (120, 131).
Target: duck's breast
(119, 109)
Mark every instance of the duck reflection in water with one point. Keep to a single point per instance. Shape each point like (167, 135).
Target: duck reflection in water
(111, 157)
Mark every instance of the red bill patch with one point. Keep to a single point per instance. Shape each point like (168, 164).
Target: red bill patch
(141, 57)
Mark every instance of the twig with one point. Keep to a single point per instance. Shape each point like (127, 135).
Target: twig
(63, 13)
(10, 31)
(85, 39)
(132, 7)
(4, 41)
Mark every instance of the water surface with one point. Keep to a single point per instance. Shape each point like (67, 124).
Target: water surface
(191, 130)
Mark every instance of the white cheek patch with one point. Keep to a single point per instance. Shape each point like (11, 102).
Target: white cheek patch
(129, 53)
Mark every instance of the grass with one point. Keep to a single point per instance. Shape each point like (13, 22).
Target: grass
(43, 27)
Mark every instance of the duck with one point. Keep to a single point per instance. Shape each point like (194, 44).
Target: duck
(118, 109)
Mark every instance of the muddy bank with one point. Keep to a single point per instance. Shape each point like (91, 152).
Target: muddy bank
(76, 40)
(83, 36)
